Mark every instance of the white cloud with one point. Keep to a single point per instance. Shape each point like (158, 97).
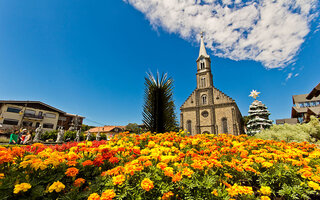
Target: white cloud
(267, 31)
(289, 76)
(297, 74)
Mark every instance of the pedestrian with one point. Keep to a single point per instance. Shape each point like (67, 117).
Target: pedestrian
(28, 138)
(14, 137)
(22, 135)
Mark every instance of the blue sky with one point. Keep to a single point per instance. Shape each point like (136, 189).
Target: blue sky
(90, 57)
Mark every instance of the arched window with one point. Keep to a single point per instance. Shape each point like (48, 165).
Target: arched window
(224, 125)
(206, 132)
(203, 82)
(189, 126)
(201, 65)
(204, 99)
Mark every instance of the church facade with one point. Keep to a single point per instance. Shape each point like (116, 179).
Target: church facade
(207, 109)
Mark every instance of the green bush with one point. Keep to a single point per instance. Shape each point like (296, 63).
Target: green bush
(309, 132)
(49, 135)
(72, 135)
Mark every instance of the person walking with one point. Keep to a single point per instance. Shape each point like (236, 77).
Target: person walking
(28, 138)
(21, 136)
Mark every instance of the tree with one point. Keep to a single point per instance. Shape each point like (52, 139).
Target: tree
(158, 110)
(259, 118)
(133, 127)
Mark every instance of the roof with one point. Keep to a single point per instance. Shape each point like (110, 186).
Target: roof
(296, 111)
(314, 93)
(314, 110)
(202, 51)
(73, 115)
(104, 129)
(32, 102)
(287, 121)
(303, 98)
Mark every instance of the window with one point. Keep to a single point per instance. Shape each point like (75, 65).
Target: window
(205, 114)
(50, 115)
(27, 123)
(317, 103)
(14, 110)
(189, 126)
(224, 125)
(202, 65)
(11, 122)
(313, 103)
(204, 99)
(30, 112)
(301, 105)
(47, 125)
(307, 104)
(203, 82)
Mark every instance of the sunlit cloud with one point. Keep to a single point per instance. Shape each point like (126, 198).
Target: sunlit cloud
(267, 31)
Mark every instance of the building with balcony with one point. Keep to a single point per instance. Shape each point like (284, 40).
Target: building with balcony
(31, 114)
(304, 105)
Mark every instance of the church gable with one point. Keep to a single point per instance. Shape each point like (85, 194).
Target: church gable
(190, 102)
(220, 97)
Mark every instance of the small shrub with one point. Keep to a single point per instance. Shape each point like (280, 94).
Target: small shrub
(4, 139)
(309, 132)
(49, 135)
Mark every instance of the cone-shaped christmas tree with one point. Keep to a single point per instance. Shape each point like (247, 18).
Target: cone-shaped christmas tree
(258, 115)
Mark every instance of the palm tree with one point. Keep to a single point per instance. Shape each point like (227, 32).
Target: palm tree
(158, 110)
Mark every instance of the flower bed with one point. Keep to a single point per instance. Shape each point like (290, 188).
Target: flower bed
(162, 166)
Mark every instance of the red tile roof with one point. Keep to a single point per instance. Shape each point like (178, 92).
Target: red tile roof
(105, 129)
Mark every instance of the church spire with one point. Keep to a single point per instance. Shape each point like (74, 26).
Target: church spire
(203, 51)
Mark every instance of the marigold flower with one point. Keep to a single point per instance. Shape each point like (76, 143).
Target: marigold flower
(215, 192)
(167, 195)
(1, 175)
(78, 182)
(56, 186)
(267, 164)
(265, 198)
(168, 171)
(118, 180)
(21, 187)
(72, 171)
(147, 184)
(239, 190)
(313, 185)
(87, 163)
(94, 196)
(177, 177)
(147, 163)
(108, 195)
(228, 175)
(265, 190)
(187, 172)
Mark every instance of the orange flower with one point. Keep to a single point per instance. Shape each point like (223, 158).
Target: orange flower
(228, 175)
(108, 195)
(215, 193)
(187, 172)
(147, 184)
(168, 171)
(94, 196)
(72, 163)
(177, 177)
(147, 163)
(167, 196)
(87, 162)
(78, 182)
(72, 171)
(265, 198)
(118, 180)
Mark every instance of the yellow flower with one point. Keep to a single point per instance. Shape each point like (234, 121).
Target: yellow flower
(108, 195)
(1, 175)
(265, 190)
(94, 196)
(267, 164)
(314, 185)
(56, 186)
(21, 187)
(118, 180)
(215, 193)
(147, 184)
(265, 198)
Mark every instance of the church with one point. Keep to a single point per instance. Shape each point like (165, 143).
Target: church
(207, 109)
